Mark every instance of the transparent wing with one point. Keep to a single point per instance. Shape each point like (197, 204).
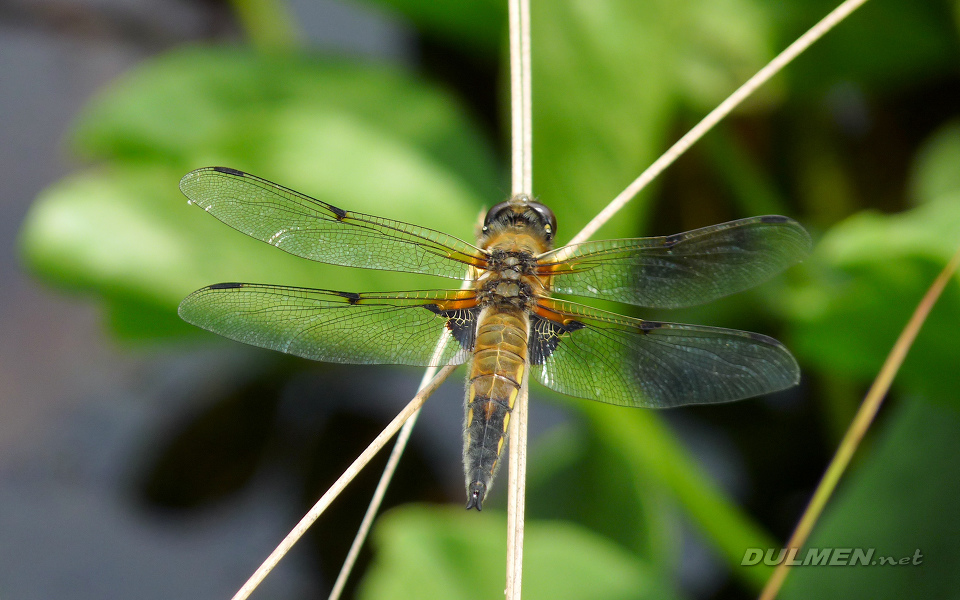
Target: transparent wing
(400, 328)
(602, 356)
(678, 270)
(319, 231)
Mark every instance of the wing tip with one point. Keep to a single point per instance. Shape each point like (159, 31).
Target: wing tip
(184, 309)
(190, 177)
(804, 239)
(790, 364)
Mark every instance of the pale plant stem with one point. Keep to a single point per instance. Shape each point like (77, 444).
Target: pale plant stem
(358, 464)
(522, 176)
(378, 494)
(714, 117)
(521, 127)
(860, 424)
(390, 468)
(516, 491)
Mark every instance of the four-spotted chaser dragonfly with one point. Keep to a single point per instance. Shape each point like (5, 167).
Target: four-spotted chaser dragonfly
(507, 321)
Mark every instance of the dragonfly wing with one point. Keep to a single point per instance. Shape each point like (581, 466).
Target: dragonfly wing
(399, 328)
(597, 355)
(679, 270)
(319, 231)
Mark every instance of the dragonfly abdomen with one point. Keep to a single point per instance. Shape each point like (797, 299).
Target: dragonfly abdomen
(496, 372)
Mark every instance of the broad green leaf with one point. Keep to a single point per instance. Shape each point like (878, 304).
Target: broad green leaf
(576, 476)
(869, 274)
(433, 552)
(720, 45)
(935, 170)
(652, 453)
(883, 45)
(607, 81)
(902, 498)
(196, 105)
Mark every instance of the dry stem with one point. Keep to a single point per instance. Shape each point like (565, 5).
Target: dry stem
(861, 422)
(521, 162)
(338, 486)
(398, 447)
(714, 117)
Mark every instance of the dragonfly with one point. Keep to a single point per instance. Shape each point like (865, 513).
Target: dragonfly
(506, 323)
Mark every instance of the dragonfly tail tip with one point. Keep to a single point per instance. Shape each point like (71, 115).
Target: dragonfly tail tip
(475, 495)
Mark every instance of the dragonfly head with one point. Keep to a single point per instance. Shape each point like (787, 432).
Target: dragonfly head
(521, 213)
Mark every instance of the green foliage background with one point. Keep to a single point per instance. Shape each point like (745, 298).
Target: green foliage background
(859, 140)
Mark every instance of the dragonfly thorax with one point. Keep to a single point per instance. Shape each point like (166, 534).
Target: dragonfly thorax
(509, 279)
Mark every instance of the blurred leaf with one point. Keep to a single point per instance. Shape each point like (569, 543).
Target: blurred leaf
(479, 25)
(901, 499)
(936, 170)
(577, 477)
(869, 274)
(429, 552)
(364, 139)
(883, 45)
(607, 77)
(194, 107)
(650, 451)
(602, 100)
(721, 44)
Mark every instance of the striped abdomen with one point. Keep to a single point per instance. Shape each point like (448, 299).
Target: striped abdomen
(496, 372)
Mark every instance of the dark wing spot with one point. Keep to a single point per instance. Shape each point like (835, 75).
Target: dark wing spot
(673, 240)
(351, 296)
(774, 219)
(650, 326)
(225, 286)
(338, 212)
(230, 171)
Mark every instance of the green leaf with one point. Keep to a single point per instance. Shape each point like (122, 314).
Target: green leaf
(361, 138)
(431, 552)
(935, 170)
(883, 45)
(869, 274)
(902, 498)
(607, 77)
(576, 476)
(193, 107)
(721, 44)
(650, 451)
